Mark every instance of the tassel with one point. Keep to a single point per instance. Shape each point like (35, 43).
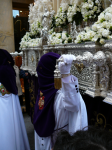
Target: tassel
(57, 83)
(57, 77)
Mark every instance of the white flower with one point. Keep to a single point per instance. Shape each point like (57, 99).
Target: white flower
(101, 17)
(64, 36)
(91, 5)
(102, 41)
(59, 38)
(95, 38)
(108, 16)
(95, 8)
(51, 31)
(58, 35)
(94, 27)
(89, 1)
(109, 37)
(91, 12)
(66, 41)
(104, 24)
(90, 9)
(96, 1)
(105, 33)
(87, 29)
(100, 29)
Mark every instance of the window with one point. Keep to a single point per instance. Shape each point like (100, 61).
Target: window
(15, 13)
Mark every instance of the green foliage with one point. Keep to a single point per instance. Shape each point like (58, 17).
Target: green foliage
(102, 20)
(70, 40)
(53, 25)
(78, 18)
(110, 28)
(34, 36)
(63, 41)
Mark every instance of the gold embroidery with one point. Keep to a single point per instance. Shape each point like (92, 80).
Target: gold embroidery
(99, 120)
(30, 90)
(32, 102)
(41, 101)
(41, 94)
(3, 90)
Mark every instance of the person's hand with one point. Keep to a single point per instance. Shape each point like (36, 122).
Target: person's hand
(68, 58)
(26, 73)
(65, 66)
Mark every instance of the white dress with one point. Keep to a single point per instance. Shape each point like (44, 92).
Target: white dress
(13, 134)
(70, 113)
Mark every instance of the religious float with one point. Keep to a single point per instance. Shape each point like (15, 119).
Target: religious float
(81, 28)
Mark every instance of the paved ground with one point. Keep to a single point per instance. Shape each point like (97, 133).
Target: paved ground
(30, 130)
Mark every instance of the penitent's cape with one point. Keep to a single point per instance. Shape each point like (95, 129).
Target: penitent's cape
(7, 73)
(44, 119)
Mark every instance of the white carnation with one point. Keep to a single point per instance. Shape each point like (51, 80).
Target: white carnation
(105, 33)
(95, 8)
(96, 1)
(64, 36)
(94, 27)
(102, 41)
(66, 42)
(108, 16)
(95, 38)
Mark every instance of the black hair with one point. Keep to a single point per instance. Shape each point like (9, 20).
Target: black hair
(91, 139)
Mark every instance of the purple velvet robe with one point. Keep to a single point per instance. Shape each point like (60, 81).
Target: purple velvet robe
(7, 73)
(44, 120)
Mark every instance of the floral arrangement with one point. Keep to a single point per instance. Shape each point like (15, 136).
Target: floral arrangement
(26, 37)
(51, 31)
(78, 10)
(35, 28)
(28, 42)
(91, 9)
(74, 11)
(36, 10)
(100, 30)
(85, 35)
(61, 16)
(60, 38)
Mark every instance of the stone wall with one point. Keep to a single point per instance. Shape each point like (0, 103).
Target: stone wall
(6, 26)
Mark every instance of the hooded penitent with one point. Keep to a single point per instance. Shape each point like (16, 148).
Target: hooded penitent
(44, 119)
(7, 73)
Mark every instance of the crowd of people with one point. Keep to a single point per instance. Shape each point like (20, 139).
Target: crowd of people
(60, 117)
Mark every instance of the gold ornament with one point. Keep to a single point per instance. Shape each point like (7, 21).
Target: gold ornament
(3, 90)
(32, 59)
(57, 83)
(79, 67)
